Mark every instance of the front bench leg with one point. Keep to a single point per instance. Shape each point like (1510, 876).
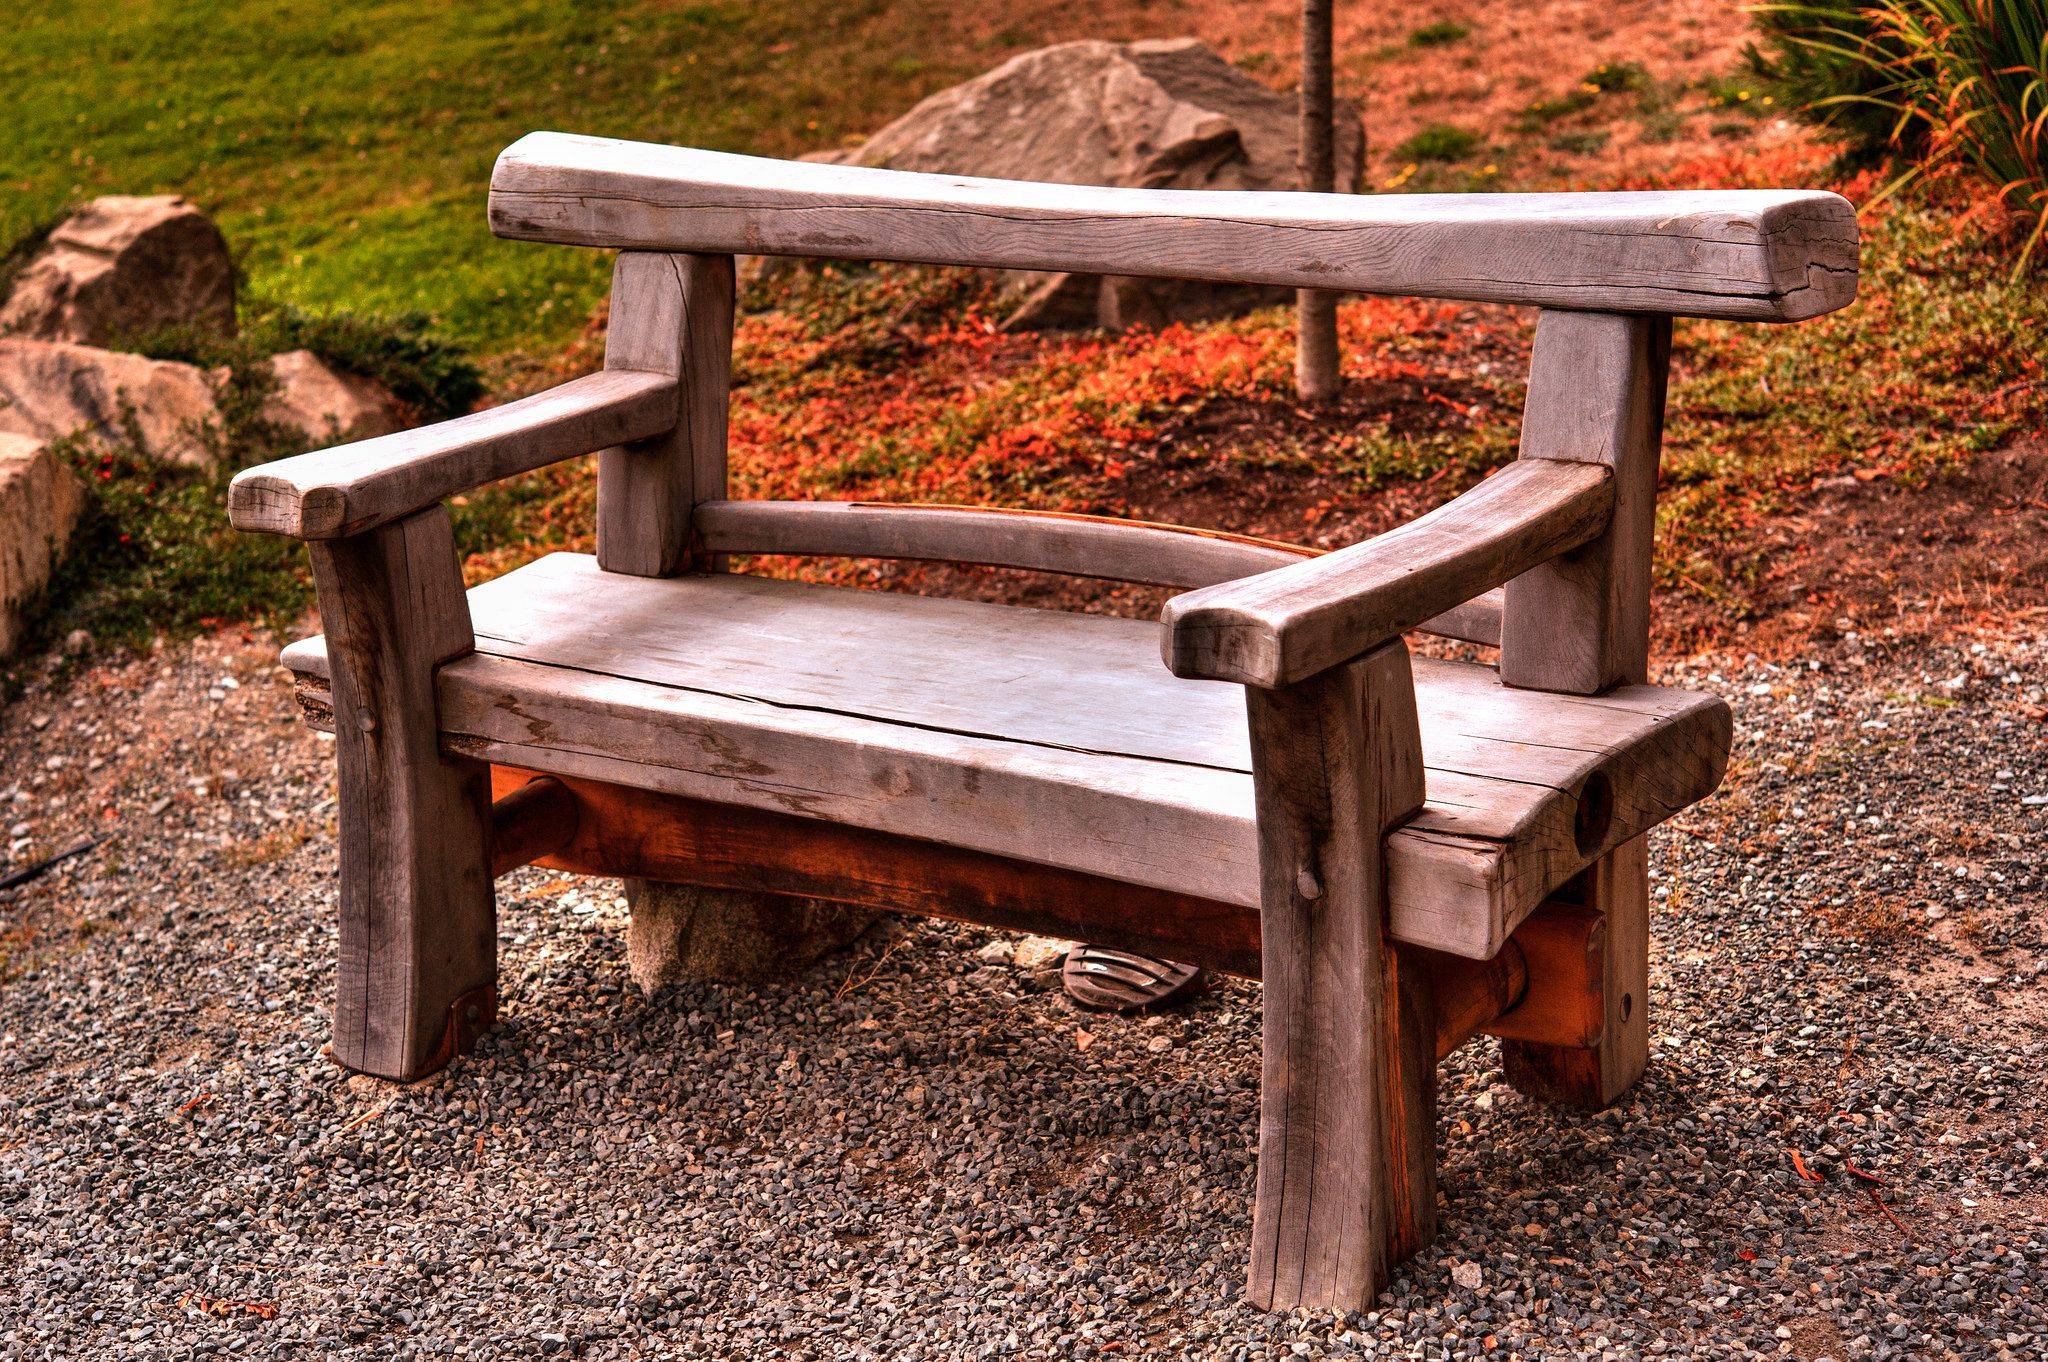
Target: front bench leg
(1347, 1160)
(418, 968)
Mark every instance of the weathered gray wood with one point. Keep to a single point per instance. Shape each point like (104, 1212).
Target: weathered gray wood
(1473, 621)
(351, 488)
(418, 938)
(1769, 255)
(1346, 1175)
(671, 314)
(1041, 541)
(1291, 623)
(1035, 734)
(1581, 622)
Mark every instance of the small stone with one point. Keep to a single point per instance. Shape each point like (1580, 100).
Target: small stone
(1468, 1275)
(1039, 952)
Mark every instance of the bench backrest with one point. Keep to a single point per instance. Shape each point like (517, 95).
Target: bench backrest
(1610, 270)
(1755, 255)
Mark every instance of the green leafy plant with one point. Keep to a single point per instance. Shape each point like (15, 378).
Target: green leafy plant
(1580, 143)
(1609, 77)
(1440, 142)
(1955, 85)
(153, 552)
(1740, 96)
(434, 377)
(1442, 33)
(1834, 62)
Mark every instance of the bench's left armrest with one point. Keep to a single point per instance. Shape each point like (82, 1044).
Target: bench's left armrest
(1291, 623)
(332, 493)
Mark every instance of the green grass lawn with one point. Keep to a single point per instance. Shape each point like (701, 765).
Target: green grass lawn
(345, 148)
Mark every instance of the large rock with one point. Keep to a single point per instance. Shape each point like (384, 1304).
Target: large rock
(51, 390)
(122, 266)
(326, 403)
(40, 500)
(679, 932)
(1168, 114)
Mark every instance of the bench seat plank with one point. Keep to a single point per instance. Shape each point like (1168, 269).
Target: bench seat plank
(1034, 734)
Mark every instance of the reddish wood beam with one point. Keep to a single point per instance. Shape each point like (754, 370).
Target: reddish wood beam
(1544, 986)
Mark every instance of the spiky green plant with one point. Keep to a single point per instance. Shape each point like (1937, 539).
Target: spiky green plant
(1951, 84)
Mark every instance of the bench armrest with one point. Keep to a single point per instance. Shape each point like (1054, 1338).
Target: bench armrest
(351, 488)
(1286, 625)
(1752, 254)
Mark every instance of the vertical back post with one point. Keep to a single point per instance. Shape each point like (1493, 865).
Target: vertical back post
(669, 314)
(1580, 624)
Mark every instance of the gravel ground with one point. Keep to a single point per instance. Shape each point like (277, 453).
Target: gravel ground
(909, 1153)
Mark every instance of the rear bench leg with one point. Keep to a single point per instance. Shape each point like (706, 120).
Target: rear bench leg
(1580, 624)
(1347, 1160)
(1618, 887)
(418, 970)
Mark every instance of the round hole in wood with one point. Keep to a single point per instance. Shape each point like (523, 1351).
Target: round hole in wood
(1595, 813)
(1628, 1005)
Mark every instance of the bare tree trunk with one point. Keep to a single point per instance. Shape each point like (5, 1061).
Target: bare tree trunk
(1315, 346)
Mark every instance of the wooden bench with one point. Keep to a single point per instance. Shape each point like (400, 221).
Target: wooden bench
(1407, 852)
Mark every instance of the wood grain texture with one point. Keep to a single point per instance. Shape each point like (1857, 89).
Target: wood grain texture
(1591, 1077)
(1563, 947)
(670, 314)
(642, 835)
(627, 833)
(1766, 255)
(1036, 734)
(418, 934)
(1291, 623)
(1581, 622)
(1345, 1081)
(351, 488)
(536, 818)
(1102, 547)
(1042, 541)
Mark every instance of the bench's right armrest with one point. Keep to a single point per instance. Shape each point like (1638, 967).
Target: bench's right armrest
(1286, 625)
(351, 488)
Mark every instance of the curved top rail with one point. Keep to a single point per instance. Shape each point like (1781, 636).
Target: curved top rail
(1759, 255)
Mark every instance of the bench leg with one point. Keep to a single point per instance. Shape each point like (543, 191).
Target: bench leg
(418, 969)
(1617, 886)
(1347, 1159)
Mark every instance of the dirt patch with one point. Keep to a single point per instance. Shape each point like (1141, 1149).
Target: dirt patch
(1890, 560)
